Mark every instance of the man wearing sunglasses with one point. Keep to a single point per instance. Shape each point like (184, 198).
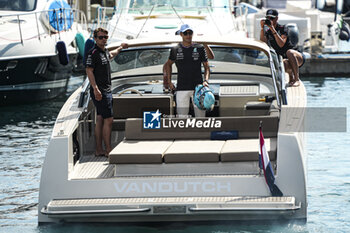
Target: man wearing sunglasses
(188, 58)
(99, 73)
(277, 37)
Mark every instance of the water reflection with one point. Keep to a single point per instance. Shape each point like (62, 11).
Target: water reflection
(24, 135)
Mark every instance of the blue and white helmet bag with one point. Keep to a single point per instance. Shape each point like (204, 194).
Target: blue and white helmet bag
(203, 98)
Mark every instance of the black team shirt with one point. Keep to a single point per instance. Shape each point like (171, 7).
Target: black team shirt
(281, 30)
(99, 61)
(188, 61)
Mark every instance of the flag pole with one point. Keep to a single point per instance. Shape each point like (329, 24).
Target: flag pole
(260, 162)
(266, 166)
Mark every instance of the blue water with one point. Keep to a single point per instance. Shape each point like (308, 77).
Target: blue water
(25, 132)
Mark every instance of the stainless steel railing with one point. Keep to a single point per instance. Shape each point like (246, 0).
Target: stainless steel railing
(77, 15)
(238, 15)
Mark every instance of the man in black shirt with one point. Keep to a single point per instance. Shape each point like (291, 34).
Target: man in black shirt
(277, 37)
(98, 71)
(188, 58)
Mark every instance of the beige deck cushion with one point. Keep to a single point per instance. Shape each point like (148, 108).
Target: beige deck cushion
(247, 150)
(193, 151)
(139, 152)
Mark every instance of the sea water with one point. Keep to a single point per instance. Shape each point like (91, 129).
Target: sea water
(25, 132)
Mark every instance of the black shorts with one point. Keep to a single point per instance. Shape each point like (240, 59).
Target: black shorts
(104, 107)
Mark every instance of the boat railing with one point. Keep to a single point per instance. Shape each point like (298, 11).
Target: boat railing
(238, 15)
(103, 15)
(75, 15)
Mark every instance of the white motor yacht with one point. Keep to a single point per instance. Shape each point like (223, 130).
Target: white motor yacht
(162, 18)
(166, 168)
(39, 43)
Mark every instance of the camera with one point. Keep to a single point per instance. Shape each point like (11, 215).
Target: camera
(267, 22)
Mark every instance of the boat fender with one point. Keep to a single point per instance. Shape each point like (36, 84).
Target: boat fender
(293, 33)
(345, 32)
(80, 39)
(62, 53)
(203, 98)
(89, 44)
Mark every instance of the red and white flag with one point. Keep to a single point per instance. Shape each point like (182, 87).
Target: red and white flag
(264, 163)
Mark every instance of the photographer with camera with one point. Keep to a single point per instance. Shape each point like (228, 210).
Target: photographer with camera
(276, 37)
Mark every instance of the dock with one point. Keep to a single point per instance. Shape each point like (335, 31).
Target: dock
(327, 64)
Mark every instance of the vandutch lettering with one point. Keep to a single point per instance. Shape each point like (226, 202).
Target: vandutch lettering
(173, 187)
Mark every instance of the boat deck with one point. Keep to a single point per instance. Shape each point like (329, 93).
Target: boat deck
(92, 167)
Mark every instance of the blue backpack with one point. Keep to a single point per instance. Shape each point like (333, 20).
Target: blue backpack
(204, 98)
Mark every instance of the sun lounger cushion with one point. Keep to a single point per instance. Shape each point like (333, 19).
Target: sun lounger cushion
(193, 151)
(247, 150)
(139, 152)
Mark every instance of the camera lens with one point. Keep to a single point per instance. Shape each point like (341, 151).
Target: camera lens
(267, 22)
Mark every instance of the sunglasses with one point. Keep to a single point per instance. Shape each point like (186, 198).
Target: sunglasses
(102, 37)
(188, 33)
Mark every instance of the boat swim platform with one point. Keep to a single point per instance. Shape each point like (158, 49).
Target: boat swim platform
(179, 208)
(322, 65)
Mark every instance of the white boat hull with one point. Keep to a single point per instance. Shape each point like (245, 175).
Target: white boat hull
(76, 186)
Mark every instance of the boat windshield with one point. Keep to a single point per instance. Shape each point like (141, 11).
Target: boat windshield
(148, 57)
(162, 6)
(17, 5)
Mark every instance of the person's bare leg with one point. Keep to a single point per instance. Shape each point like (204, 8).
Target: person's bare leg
(288, 69)
(295, 59)
(98, 135)
(107, 129)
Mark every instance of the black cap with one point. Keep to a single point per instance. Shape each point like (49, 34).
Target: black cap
(272, 13)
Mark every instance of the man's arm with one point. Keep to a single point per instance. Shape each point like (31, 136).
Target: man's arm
(116, 51)
(91, 76)
(280, 39)
(167, 71)
(262, 34)
(206, 73)
(210, 53)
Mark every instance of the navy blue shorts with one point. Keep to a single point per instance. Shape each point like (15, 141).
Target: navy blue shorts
(304, 59)
(104, 107)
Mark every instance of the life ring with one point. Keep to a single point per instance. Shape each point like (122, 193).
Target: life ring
(89, 44)
(80, 39)
(62, 53)
(58, 16)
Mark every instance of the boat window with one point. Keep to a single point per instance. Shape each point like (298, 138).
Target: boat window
(17, 5)
(139, 58)
(128, 60)
(241, 55)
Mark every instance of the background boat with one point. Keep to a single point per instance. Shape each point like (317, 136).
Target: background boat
(162, 18)
(40, 42)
